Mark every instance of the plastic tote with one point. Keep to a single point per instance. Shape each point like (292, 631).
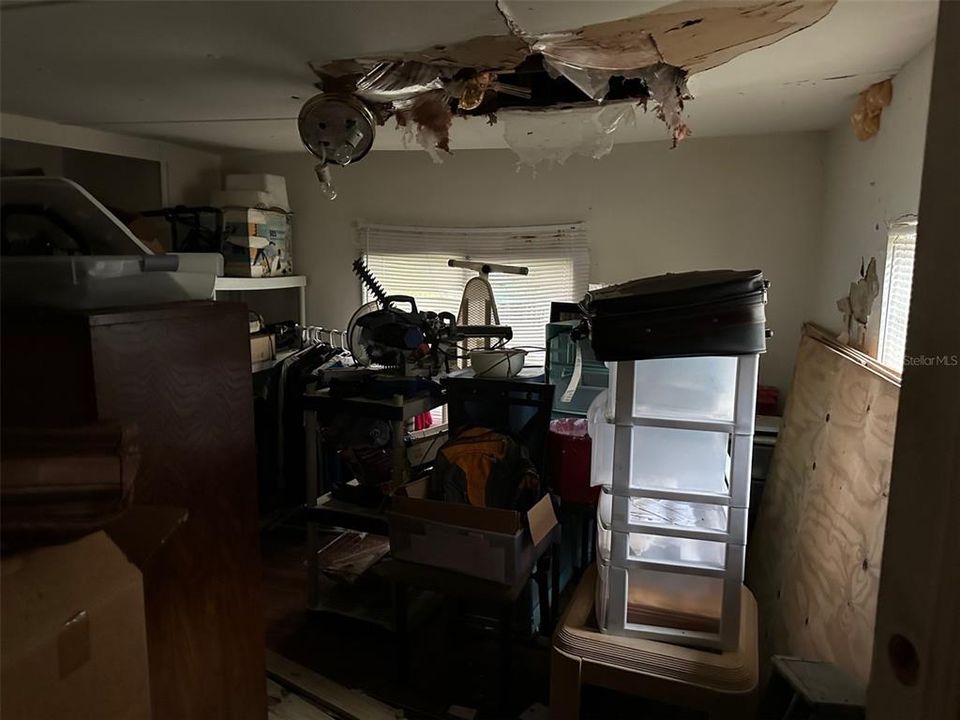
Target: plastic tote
(63, 249)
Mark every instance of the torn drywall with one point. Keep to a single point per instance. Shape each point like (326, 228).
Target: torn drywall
(431, 114)
(857, 305)
(865, 117)
(640, 58)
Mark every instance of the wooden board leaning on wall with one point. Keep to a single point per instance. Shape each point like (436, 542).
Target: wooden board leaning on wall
(815, 558)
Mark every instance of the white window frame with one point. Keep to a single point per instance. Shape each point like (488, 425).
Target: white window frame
(900, 233)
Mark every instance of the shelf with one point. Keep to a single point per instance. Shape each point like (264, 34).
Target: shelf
(268, 283)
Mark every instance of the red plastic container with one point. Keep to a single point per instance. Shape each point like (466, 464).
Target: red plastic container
(568, 461)
(768, 400)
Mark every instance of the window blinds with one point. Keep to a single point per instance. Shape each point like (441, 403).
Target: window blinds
(413, 261)
(897, 282)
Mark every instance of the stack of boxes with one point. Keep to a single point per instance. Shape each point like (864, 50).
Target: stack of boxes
(258, 238)
(672, 443)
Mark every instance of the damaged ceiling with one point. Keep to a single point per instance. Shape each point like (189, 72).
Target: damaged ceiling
(611, 68)
(237, 78)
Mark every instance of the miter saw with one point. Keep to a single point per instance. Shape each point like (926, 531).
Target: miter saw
(391, 333)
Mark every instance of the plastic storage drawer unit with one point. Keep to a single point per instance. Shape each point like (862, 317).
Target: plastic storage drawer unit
(672, 445)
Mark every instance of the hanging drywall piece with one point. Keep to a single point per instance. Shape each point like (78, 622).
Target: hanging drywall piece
(667, 85)
(857, 304)
(865, 117)
(554, 137)
(431, 114)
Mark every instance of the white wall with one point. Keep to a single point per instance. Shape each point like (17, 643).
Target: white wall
(868, 185)
(189, 175)
(711, 203)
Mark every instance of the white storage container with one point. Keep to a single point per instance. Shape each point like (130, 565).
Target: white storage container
(62, 248)
(672, 445)
(86, 282)
(690, 605)
(704, 517)
(664, 549)
(691, 388)
(667, 459)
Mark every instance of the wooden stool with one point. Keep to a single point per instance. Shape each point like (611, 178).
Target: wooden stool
(722, 684)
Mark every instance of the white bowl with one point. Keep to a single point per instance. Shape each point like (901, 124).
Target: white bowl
(497, 363)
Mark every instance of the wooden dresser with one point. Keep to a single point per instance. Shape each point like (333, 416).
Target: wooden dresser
(181, 372)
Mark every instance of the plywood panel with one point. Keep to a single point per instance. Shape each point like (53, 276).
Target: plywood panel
(815, 557)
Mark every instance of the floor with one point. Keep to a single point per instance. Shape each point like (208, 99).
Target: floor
(452, 660)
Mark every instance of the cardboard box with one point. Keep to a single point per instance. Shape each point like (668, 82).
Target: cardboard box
(263, 347)
(73, 641)
(259, 243)
(488, 543)
(273, 186)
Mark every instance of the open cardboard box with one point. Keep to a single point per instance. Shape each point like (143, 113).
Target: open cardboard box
(73, 642)
(489, 543)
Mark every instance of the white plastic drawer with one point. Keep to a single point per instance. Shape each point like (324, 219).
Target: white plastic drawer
(692, 460)
(676, 551)
(646, 548)
(693, 388)
(665, 458)
(678, 518)
(661, 599)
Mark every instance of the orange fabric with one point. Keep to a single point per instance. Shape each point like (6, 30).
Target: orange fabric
(475, 458)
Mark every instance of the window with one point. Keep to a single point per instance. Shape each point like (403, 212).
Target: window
(413, 261)
(897, 281)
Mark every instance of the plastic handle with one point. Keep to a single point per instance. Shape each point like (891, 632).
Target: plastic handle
(391, 300)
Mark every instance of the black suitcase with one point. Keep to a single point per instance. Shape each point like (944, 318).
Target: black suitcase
(709, 312)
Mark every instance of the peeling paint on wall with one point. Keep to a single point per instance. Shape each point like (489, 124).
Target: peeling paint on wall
(857, 305)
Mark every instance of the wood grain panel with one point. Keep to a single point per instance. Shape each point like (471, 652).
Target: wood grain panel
(181, 374)
(184, 378)
(815, 558)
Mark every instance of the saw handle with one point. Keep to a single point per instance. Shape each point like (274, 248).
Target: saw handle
(390, 300)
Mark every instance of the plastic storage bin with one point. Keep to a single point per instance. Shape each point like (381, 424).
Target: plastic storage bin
(692, 606)
(64, 249)
(568, 461)
(685, 389)
(672, 447)
(667, 459)
(643, 511)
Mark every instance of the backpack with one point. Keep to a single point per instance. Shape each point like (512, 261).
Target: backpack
(485, 468)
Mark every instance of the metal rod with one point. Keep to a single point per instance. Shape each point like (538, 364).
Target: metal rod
(487, 268)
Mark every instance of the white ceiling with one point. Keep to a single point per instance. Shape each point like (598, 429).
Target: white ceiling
(234, 74)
